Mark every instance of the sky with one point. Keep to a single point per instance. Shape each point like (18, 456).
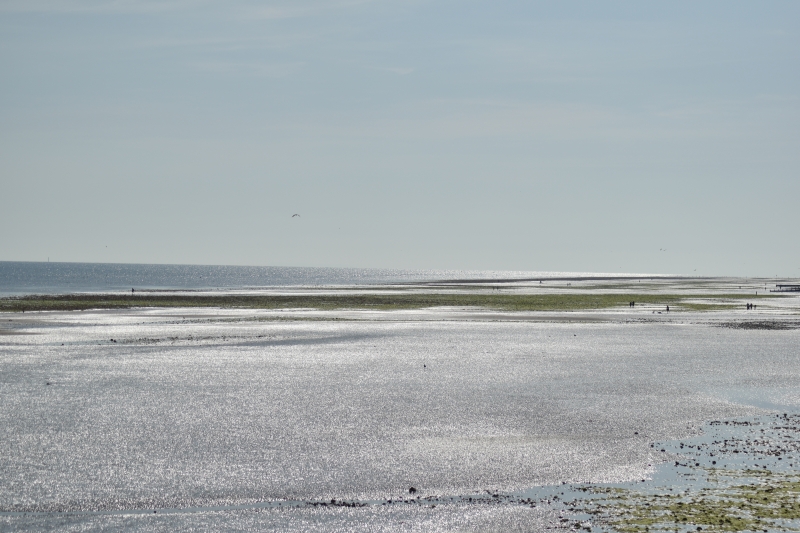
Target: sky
(658, 137)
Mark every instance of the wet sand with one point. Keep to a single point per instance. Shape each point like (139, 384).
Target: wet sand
(240, 419)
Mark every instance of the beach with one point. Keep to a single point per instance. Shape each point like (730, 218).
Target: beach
(324, 419)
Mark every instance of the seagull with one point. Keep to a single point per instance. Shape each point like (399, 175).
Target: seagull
(295, 215)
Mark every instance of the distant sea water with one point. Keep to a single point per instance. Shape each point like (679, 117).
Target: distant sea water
(19, 278)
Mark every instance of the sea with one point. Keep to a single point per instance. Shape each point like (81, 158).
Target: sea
(24, 277)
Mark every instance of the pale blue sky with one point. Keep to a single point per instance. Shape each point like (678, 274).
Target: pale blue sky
(573, 136)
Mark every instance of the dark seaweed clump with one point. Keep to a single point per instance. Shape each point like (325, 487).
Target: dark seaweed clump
(761, 324)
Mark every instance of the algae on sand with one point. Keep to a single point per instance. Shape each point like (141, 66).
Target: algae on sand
(360, 300)
(768, 501)
(756, 486)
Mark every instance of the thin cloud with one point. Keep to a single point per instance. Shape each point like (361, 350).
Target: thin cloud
(448, 119)
(401, 71)
(267, 70)
(249, 10)
(286, 10)
(97, 6)
(231, 44)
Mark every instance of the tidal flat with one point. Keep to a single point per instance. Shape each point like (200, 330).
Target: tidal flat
(385, 300)
(325, 417)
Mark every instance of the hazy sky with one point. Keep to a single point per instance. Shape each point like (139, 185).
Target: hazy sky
(578, 136)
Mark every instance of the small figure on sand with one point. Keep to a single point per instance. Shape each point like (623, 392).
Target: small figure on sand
(667, 309)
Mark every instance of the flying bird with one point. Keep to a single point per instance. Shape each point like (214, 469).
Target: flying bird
(295, 215)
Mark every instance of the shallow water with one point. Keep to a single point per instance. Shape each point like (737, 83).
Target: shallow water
(214, 409)
(18, 277)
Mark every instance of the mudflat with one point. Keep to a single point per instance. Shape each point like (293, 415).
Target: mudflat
(237, 418)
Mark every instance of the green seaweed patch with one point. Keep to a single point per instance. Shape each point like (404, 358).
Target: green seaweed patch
(767, 501)
(386, 301)
(721, 306)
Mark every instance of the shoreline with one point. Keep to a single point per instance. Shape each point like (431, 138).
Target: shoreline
(392, 301)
